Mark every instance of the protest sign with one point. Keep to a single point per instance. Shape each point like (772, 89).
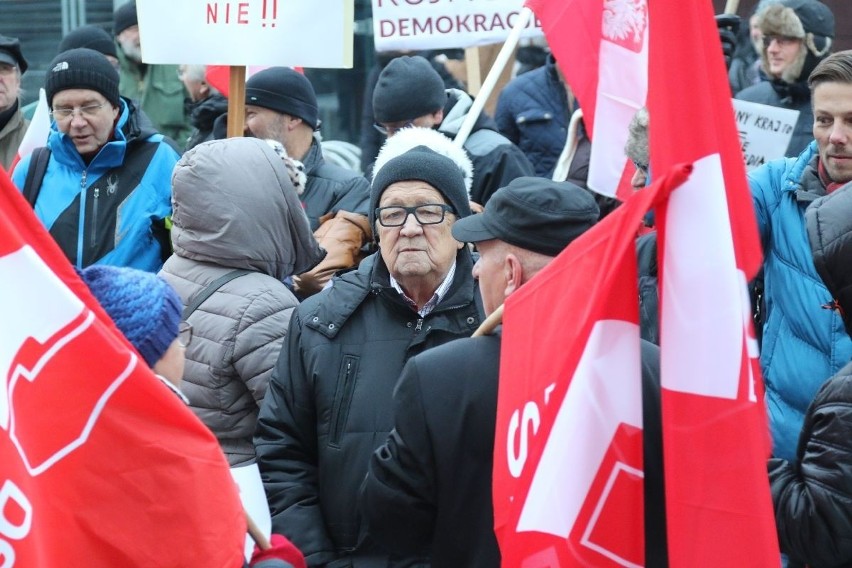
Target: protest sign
(764, 130)
(439, 24)
(308, 33)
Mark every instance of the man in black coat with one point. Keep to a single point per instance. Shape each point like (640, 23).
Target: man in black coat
(428, 488)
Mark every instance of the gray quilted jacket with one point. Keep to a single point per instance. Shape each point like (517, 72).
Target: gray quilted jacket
(235, 208)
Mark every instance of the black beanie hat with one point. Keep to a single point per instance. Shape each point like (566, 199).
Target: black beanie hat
(124, 17)
(82, 68)
(408, 87)
(423, 164)
(286, 91)
(91, 36)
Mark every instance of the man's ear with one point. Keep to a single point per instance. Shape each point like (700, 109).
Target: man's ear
(438, 116)
(513, 272)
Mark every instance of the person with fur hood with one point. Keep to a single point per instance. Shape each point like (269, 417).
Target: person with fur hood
(238, 232)
(797, 35)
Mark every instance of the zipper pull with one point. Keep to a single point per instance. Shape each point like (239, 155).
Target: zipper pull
(419, 325)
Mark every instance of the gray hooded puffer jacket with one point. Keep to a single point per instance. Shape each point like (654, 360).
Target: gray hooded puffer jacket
(235, 208)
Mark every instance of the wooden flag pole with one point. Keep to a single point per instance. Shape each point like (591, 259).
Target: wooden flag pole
(254, 531)
(490, 323)
(237, 101)
(731, 6)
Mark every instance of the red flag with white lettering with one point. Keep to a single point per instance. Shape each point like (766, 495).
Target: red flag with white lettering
(716, 437)
(602, 49)
(568, 468)
(102, 464)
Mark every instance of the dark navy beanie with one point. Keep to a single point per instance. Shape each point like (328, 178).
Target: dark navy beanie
(82, 68)
(124, 17)
(408, 87)
(91, 36)
(286, 91)
(423, 164)
(144, 307)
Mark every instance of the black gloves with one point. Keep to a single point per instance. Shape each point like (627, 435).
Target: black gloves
(729, 25)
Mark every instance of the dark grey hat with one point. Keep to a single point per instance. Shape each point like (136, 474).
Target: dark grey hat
(408, 87)
(423, 164)
(286, 91)
(124, 17)
(533, 213)
(82, 68)
(10, 52)
(91, 36)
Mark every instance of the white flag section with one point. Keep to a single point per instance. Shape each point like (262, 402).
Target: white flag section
(38, 130)
(593, 410)
(307, 33)
(622, 88)
(765, 131)
(439, 24)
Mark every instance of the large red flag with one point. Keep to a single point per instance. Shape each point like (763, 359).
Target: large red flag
(716, 438)
(601, 47)
(568, 464)
(101, 464)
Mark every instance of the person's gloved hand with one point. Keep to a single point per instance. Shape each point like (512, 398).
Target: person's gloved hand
(280, 549)
(729, 25)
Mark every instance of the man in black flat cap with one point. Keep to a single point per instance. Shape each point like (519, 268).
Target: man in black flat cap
(428, 488)
(13, 126)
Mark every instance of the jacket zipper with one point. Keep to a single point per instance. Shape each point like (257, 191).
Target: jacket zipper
(419, 325)
(81, 224)
(342, 410)
(94, 222)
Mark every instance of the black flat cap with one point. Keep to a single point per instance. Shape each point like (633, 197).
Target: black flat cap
(10, 52)
(532, 213)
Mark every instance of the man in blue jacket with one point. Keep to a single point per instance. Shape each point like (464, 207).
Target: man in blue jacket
(804, 341)
(102, 187)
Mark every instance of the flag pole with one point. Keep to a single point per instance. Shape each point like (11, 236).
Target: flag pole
(731, 6)
(256, 534)
(493, 75)
(490, 323)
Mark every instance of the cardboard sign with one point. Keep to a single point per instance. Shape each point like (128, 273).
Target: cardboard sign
(765, 131)
(439, 24)
(307, 33)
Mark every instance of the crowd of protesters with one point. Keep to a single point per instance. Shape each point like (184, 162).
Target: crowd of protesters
(318, 319)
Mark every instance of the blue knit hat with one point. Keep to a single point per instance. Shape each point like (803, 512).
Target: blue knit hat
(143, 306)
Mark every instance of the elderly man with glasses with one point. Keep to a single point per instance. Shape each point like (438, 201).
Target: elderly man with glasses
(328, 404)
(13, 125)
(102, 186)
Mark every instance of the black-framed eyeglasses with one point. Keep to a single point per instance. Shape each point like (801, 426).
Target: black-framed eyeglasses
(396, 215)
(88, 112)
(641, 167)
(389, 130)
(184, 333)
(781, 39)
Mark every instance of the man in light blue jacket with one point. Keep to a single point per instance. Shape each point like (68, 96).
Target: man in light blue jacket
(102, 187)
(804, 339)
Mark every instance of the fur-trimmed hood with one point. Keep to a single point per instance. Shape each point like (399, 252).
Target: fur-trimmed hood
(414, 136)
(809, 20)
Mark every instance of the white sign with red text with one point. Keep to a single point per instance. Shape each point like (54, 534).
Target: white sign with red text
(307, 33)
(440, 24)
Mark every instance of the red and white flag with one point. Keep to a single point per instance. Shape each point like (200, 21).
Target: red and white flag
(37, 131)
(601, 47)
(568, 465)
(716, 436)
(101, 464)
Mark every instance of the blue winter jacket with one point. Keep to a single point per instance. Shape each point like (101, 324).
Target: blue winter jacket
(804, 343)
(119, 219)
